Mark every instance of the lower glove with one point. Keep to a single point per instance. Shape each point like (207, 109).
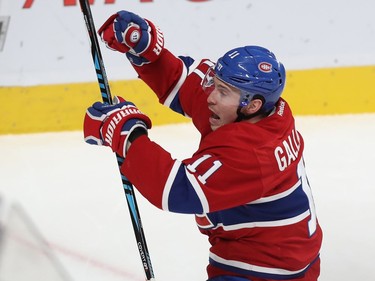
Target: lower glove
(115, 125)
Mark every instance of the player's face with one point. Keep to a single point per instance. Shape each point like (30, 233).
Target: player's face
(223, 102)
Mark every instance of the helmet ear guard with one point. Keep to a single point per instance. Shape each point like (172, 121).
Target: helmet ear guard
(245, 99)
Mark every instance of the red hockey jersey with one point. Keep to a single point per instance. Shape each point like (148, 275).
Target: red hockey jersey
(246, 183)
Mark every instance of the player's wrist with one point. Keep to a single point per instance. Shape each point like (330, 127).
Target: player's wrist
(137, 132)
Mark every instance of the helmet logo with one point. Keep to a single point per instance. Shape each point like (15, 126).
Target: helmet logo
(265, 67)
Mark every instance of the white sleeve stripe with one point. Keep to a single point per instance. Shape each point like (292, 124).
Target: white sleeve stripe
(277, 223)
(168, 185)
(277, 196)
(193, 66)
(199, 72)
(209, 63)
(175, 90)
(185, 72)
(255, 268)
(198, 190)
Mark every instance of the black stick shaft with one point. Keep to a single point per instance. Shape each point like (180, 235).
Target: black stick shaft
(107, 98)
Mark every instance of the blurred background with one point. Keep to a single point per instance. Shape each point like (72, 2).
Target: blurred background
(63, 215)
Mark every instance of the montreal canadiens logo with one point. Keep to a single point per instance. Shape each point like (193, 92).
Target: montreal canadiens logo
(135, 36)
(265, 67)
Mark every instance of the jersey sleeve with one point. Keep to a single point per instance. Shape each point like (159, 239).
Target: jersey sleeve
(200, 184)
(177, 82)
(164, 76)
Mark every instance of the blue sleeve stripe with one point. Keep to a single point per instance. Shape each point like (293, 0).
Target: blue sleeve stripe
(286, 208)
(176, 106)
(182, 192)
(198, 190)
(168, 185)
(275, 223)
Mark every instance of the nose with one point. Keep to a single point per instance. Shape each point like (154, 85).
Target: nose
(211, 97)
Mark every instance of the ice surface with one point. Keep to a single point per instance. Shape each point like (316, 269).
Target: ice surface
(73, 192)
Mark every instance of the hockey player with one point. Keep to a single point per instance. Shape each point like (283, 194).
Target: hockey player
(246, 183)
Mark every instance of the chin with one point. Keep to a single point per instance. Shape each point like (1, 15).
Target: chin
(213, 128)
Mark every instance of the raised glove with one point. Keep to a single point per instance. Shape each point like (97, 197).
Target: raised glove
(114, 125)
(128, 33)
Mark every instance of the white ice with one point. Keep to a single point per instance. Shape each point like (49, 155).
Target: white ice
(73, 193)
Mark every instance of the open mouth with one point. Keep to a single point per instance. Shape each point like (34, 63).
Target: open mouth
(214, 120)
(214, 116)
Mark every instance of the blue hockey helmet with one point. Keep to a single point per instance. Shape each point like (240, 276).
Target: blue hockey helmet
(255, 71)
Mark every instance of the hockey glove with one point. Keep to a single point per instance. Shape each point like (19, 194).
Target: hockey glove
(137, 37)
(115, 125)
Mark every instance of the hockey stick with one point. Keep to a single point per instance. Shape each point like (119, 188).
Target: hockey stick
(107, 98)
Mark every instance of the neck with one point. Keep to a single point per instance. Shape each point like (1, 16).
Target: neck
(253, 118)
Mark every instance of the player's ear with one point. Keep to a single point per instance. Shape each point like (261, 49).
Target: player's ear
(253, 106)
